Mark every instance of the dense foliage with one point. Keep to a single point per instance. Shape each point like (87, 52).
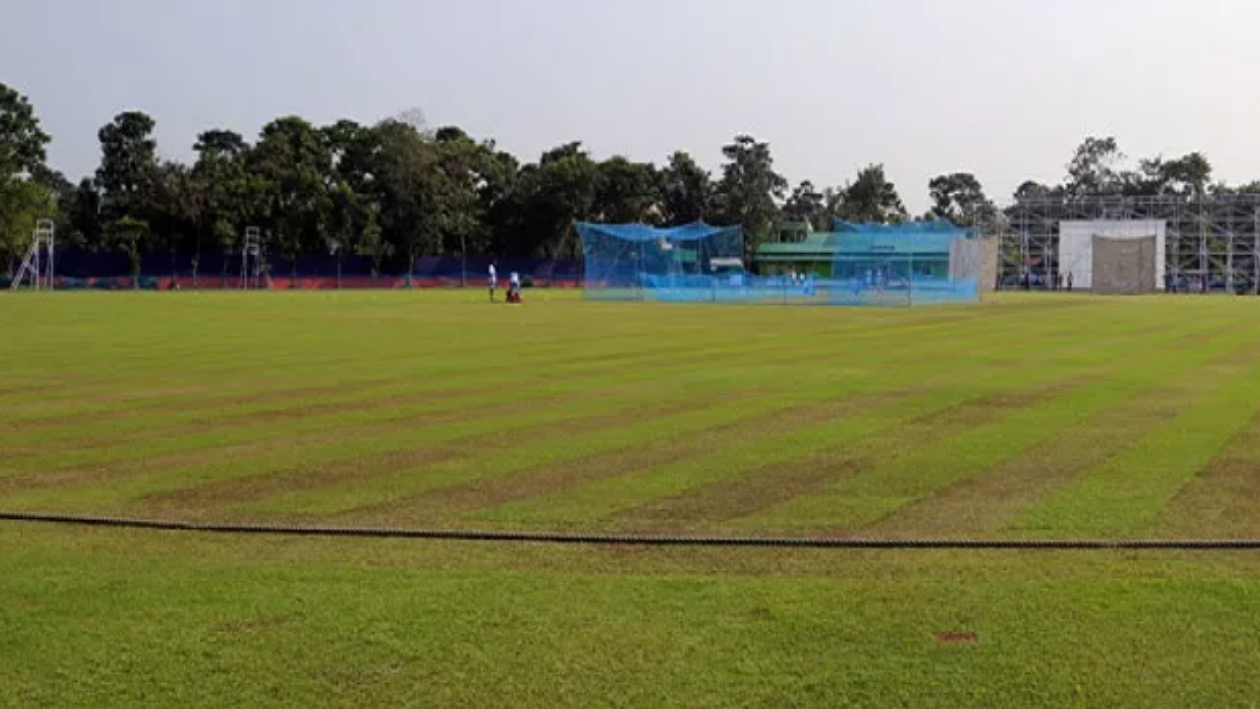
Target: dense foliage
(397, 191)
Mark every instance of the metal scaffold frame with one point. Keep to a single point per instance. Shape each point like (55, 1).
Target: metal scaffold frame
(39, 265)
(1213, 242)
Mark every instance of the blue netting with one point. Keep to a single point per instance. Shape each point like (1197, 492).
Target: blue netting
(859, 264)
(640, 262)
(918, 263)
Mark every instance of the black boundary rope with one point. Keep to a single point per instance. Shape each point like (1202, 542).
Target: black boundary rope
(628, 539)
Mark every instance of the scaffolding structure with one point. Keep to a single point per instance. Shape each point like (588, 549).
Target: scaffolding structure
(251, 259)
(1212, 241)
(39, 266)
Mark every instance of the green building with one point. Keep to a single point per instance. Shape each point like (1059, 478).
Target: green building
(926, 250)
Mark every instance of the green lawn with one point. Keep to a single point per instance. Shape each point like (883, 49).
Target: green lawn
(1022, 417)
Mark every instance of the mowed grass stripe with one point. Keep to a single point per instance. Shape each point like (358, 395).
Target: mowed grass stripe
(193, 358)
(984, 504)
(182, 456)
(210, 498)
(387, 487)
(146, 475)
(499, 490)
(747, 494)
(1222, 500)
(1124, 495)
(449, 502)
(589, 502)
(202, 357)
(218, 433)
(708, 507)
(91, 448)
(105, 421)
(865, 498)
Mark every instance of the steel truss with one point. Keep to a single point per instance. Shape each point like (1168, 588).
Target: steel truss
(1213, 243)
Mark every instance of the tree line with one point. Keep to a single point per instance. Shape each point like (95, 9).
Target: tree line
(396, 191)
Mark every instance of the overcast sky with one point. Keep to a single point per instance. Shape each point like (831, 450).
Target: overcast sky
(1002, 88)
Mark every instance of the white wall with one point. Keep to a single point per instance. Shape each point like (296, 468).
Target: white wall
(1076, 246)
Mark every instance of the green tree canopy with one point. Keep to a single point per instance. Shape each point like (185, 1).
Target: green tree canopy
(750, 189)
(686, 190)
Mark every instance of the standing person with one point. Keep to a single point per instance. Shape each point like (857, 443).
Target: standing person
(494, 280)
(1069, 281)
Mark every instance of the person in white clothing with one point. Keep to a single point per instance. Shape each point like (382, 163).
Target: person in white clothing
(494, 281)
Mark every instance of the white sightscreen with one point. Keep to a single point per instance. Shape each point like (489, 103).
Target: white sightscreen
(1076, 246)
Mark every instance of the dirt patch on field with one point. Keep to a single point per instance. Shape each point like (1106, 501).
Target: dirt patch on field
(957, 638)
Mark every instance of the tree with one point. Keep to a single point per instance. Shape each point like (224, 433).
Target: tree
(554, 193)
(410, 189)
(465, 166)
(84, 215)
(872, 198)
(626, 192)
(130, 235)
(22, 203)
(220, 186)
(1092, 170)
(1221, 189)
(175, 212)
(372, 243)
(500, 199)
(749, 190)
(23, 199)
(1187, 175)
(342, 221)
(22, 142)
(686, 190)
(807, 205)
(294, 164)
(960, 198)
(1031, 190)
(128, 164)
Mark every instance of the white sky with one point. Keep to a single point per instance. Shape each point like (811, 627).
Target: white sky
(1002, 88)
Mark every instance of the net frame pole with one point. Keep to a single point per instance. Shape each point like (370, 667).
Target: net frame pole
(49, 230)
(910, 279)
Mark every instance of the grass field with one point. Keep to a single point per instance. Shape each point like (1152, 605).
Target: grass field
(1023, 417)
